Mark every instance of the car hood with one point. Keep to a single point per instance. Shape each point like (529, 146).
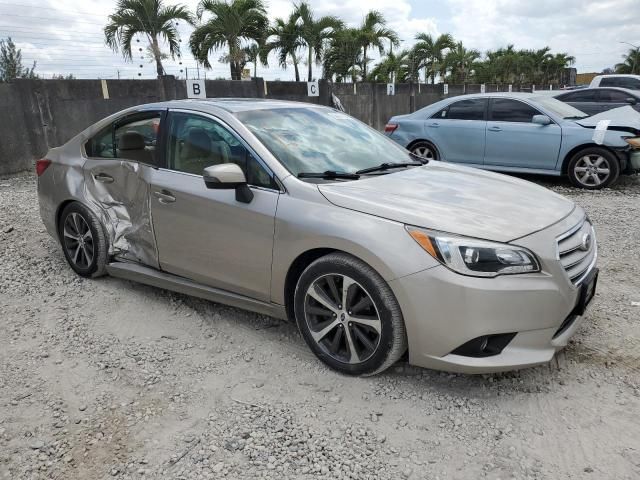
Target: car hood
(620, 117)
(454, 199)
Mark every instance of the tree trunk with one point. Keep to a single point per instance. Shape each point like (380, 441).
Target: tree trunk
(310, 64)
(364, 64)
(295, 67)
(157, 56)
(255, 68)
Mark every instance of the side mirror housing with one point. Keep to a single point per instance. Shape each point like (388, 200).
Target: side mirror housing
(541, 120)
(631, 100)
(228, 176)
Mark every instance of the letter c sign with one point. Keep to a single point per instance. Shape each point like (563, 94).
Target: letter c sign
(313, 89)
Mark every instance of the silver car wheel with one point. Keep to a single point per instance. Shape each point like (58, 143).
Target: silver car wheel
(424, 151)
(342, 318)
(78, 240)
(592, 170)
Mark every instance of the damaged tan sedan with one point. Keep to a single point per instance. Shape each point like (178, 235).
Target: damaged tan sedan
(302, 212)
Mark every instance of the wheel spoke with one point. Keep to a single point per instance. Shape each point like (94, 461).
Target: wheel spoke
(321, 298)
(596, 179)
(346, 286)
(363, 303)
(69, 234)
(353, 354)
(373, 323)
(88, 255)
(585, 177)
(369, 345)
(317, 336)
(74, 217)
(602, 171)
(599, 161)
(76, 254)
(331, 282)
(319, 310)
(580, 169)
(335, 343)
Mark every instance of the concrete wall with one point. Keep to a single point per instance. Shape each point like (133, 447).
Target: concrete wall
(38, 114)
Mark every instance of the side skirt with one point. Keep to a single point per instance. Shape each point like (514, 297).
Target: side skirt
(156, 278)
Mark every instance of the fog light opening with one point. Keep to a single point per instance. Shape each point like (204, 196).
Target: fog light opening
(485, 346)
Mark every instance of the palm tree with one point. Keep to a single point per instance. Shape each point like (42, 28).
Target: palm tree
(253, 53)
(631, 63)
(344, 55)
(392, 67)
(460, 60)
(314, 32)
(432, 52)
(147, 17)
(231, 22)
(371, 34)
(285, 39)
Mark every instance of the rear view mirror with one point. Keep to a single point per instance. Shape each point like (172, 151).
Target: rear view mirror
(541, 120)
(228, 176)
(631, 100)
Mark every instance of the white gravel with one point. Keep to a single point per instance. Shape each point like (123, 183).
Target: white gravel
(111, 379)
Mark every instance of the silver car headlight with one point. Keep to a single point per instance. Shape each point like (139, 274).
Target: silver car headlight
(470, 256)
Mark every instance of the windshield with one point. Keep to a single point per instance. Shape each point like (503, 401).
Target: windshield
(313, 139)
(555, 106)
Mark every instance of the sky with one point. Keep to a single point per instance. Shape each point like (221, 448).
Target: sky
(65, 36)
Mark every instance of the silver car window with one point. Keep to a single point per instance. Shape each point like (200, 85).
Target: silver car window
(318, 139)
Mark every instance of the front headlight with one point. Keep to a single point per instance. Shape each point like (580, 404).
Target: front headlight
(633, 141)
(477, 258)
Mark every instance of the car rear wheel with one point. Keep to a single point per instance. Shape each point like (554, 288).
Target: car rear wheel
(349, 316)
(425, 150)
(593, 168)
(83, 240)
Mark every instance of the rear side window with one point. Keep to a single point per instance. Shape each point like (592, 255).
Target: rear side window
(471, 109)
(622, 82)
(580, 96)
(101, 144)
(508, 110)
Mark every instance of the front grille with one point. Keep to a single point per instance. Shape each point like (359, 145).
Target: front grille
(577, 251)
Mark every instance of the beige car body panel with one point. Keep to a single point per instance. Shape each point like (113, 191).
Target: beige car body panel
(209, 245)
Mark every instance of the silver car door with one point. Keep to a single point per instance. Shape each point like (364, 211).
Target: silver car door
(119, 161)
(206, 234)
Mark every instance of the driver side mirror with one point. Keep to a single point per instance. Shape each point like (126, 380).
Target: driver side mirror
(541, 120)
(228, 176)
(631, 100)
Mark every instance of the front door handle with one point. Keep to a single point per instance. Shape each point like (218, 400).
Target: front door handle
(103, 178)
(494, 129)
(164, 196)
(434, 125)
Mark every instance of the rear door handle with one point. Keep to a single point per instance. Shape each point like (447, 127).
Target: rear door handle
(103, 178)
(495, 129)
(164, 196)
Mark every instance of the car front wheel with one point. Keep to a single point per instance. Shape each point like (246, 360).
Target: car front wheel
(593, 168)
(349, 316)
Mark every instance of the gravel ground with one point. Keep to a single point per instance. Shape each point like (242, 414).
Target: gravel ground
(111, 379)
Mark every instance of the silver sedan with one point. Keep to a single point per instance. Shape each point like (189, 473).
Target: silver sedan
(302, 212)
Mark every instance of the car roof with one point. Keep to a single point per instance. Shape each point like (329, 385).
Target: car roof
(501, 94)
(231, 105)
(614, 75)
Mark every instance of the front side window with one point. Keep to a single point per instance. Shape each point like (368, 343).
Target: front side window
(471, 109)
(318, 139)
(196, 142)
(508, 110)
(613, 96)
(580, 96)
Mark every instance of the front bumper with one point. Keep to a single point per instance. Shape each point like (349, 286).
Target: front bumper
(443, 310)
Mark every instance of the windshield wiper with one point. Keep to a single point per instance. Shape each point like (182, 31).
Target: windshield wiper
(577, 117)
(388, 166)
(329, 175)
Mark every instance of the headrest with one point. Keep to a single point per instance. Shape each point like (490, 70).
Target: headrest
(215, 136)
(131, 141)
(199, 138)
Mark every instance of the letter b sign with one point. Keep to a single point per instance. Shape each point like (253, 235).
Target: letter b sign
(196, 89)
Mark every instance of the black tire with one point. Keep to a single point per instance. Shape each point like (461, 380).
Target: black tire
(426, 150)
(586, 167)
(389, 335)
(76, 216)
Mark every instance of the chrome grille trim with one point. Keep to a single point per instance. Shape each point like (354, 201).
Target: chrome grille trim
(577, 266)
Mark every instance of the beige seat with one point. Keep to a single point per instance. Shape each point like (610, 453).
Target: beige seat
(131, 146)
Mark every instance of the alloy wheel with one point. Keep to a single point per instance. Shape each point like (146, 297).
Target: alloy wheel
(592, 170)
(424, 151)
(78, 240)
(342, 318)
